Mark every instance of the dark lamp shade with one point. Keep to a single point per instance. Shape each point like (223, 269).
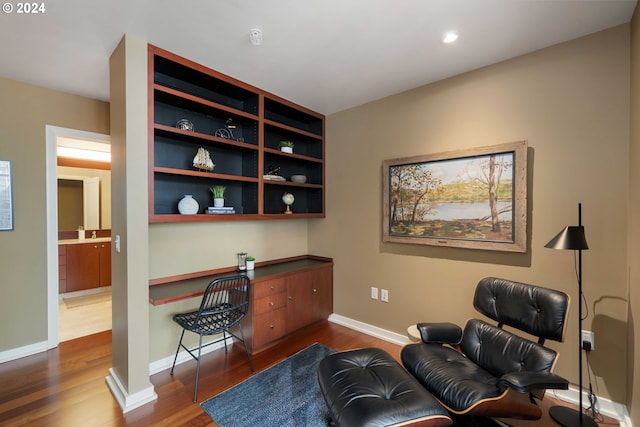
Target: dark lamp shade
(571, 237)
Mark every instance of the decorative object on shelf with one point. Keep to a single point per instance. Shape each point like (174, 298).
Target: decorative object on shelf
(188, 205)
(221, 210)
(184, 124)
(226, 131)
(301, 179)
(286, 146)
(251, 263)
(242, 261)
(573, 238)
(272, 174)
(288, 199)
(218, 195)
(202, 161)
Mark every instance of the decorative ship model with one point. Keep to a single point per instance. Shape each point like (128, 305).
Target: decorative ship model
(202, 161)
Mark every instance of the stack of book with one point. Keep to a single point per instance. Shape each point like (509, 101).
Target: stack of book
(222, 210)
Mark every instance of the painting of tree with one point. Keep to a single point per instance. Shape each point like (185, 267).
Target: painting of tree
(456, 198)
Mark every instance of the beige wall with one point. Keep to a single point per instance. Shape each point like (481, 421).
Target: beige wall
(25, 110)
(571, 102)
(633, 361)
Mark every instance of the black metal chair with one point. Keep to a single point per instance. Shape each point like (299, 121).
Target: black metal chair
(224, 303)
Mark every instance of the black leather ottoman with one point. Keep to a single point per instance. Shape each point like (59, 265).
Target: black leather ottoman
(367, 387)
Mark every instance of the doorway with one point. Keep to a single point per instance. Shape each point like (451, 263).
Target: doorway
(76, 310)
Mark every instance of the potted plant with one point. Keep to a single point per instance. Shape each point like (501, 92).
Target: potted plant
(218, 195)
(250, 262)
(286, 146)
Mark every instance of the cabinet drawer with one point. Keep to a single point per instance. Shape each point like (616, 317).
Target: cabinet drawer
(269, 327)
(269, 287)
(270, 303)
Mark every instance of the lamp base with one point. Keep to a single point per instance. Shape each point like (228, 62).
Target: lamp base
(570, 417)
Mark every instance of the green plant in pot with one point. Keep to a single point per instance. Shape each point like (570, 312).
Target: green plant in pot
(218, 195)
(250, 262)
(286, 146)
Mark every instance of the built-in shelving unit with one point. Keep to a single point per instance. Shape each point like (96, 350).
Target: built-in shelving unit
(241, 127)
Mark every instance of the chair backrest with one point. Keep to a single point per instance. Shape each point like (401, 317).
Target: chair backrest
(538, 311)
(226, 300)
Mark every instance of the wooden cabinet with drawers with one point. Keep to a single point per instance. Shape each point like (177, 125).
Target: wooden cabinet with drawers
(283, 305)
(87, 266)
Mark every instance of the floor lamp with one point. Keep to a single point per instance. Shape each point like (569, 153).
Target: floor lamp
(572, 238)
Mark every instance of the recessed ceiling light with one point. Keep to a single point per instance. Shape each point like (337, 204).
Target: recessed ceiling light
(450, 37)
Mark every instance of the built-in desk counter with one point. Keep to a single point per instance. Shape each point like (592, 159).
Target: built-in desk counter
(286, 295)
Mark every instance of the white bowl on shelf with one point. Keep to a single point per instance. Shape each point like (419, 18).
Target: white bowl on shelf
(299, 178)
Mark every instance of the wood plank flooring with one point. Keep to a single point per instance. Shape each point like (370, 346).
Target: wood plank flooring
(66, 386)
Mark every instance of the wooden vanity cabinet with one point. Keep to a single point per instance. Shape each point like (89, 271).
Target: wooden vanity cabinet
(88, 266)
(284, 305)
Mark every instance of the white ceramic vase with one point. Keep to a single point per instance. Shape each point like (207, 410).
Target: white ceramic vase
(218, 203)
(287, 150)
(188, 205)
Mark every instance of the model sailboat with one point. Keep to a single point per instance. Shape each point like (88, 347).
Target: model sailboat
(202, 161)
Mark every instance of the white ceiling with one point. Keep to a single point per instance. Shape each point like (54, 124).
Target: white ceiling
(327, 55)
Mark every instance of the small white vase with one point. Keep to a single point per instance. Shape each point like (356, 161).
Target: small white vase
(287, 150)
(250, 265)
(188, 205)
(218, 203)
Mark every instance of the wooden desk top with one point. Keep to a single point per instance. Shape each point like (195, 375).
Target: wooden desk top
(170, 289)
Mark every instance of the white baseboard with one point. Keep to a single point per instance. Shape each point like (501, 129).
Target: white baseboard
(27, 350)
(128, 401)
(183, 356)
(605, 406)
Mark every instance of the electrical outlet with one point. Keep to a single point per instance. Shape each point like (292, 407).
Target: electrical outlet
(588, 340)
(374, 292)
(384, 295)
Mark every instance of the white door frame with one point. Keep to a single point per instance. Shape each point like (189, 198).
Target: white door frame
(51, 164)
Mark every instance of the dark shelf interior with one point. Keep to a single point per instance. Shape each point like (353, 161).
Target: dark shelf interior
(169, 109)
(174, 153)
(289, 116)
(185, 79)
(169, 189)
(303, 145)
(291, 166)
(308, 200)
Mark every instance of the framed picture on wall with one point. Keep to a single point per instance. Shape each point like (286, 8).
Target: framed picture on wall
(474, 198)
(6, 196)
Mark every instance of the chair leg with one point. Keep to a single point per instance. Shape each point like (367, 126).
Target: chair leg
(246, 348)
(224, 340)
(177, 351)
(195, 389)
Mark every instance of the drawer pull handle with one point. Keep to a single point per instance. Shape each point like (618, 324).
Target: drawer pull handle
(272, 304)
(272, 287)
(271, 326)
(315, 290)
(290, 298)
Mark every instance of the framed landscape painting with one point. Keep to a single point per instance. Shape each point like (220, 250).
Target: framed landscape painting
(475, 198)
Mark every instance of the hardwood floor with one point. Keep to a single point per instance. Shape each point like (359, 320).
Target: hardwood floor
(66, 386)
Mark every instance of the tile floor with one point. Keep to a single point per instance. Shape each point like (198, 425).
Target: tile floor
(83, 314)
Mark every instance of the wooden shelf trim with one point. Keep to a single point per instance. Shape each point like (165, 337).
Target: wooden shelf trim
(293, 155)
(210, 175)
(180, 287)
(203, 138)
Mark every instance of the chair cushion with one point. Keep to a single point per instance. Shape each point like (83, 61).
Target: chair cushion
(367, 387)
(451, 377)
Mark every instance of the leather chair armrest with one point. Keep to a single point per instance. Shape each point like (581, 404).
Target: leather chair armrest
(440, 333)
(528, 381)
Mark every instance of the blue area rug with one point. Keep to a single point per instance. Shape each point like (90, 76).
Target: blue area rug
(284, 395)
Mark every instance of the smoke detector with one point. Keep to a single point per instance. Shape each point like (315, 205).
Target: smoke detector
(255, 37)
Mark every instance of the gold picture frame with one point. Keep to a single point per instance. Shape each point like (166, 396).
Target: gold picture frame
(473, 199)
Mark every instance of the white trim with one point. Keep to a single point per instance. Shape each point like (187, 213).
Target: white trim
(605, 406)
(51, 172)
(183, 356)
(369, 329)
(27, 350)
(128, 401)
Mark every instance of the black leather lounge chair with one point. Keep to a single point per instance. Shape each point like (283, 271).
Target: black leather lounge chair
(486, 370)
